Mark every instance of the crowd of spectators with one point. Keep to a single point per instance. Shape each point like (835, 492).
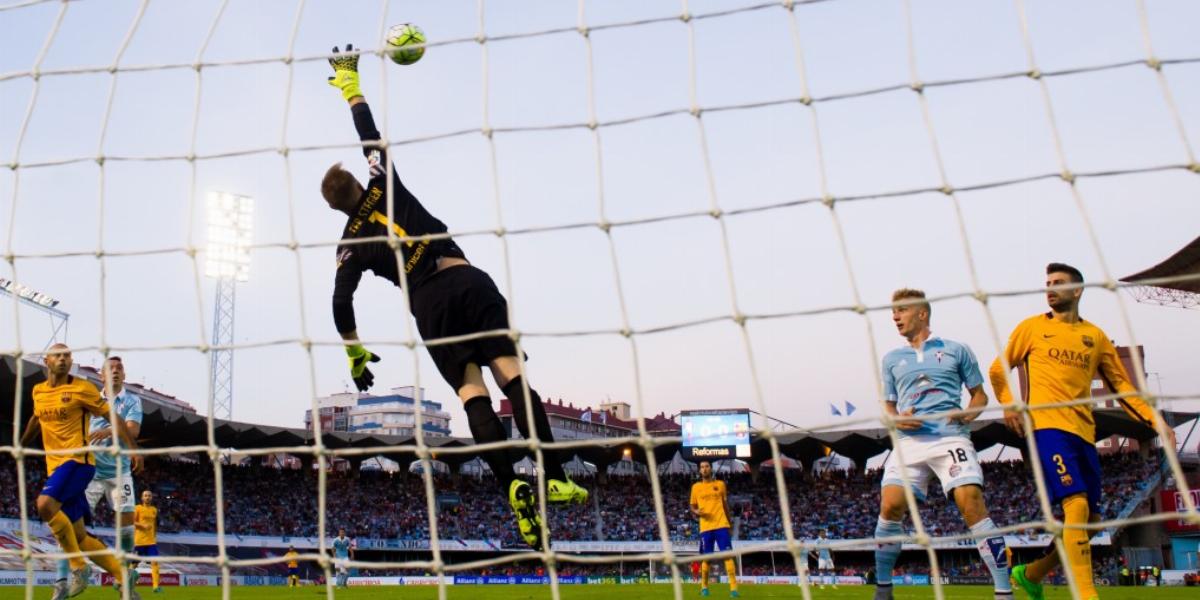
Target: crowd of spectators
(265, 500)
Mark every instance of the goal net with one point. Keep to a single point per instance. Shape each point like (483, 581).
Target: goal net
(690, 205)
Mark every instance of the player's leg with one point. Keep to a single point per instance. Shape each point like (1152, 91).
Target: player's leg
(486, 428)
(123, 497)
(892, 507)
(61, 590)
(724, 543)
(152, 551)
(507, 372)
(57, 508)
(956, 465)
(708, 540)
(105, 560)
(1071, 473)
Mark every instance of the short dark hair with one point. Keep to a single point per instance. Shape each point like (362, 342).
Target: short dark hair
(116, 358)
(340, 187)
(1076, 276)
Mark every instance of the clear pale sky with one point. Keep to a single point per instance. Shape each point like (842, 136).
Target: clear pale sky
(784, 259)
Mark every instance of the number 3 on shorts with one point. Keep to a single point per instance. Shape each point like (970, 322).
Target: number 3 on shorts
(1058, 460)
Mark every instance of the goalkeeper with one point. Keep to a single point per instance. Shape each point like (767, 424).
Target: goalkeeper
(449, 297)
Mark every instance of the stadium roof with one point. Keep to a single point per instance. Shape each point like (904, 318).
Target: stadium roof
(169, 425)
(1184, 263)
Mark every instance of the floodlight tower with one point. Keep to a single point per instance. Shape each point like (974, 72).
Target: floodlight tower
(230, 235)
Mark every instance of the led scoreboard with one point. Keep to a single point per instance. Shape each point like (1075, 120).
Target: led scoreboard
(715, 434)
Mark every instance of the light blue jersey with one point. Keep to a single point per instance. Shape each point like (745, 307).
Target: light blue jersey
(341, 547)
(824, 553)
(930, 380)
(129, 408)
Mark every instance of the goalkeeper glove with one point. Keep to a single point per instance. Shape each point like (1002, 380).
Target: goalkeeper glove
(345, 71)
(359, 357)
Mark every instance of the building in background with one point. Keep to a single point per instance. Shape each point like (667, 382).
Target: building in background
(390, 414)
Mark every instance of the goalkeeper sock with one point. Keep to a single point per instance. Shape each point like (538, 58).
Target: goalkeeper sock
(64, 532)
(486, 427)
(516, 395)
(731, 572)
(1077, 545)
(994, 553)
(106, 561)
(886, 554)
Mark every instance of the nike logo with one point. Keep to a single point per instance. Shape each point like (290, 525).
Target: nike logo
(1048, 335)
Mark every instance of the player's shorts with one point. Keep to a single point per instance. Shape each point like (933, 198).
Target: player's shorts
(1070, 465)
(120, 496)
(293, 571)
(67, 485)
(825, 564)
(951, 458)
(715, 538)
(456, 301)
(150, 550)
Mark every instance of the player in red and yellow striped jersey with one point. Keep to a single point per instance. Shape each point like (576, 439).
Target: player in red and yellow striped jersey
(62, 406)
(1062, 354)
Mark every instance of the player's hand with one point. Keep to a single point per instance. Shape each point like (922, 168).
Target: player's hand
(98, 436)
(907, 424)
(1012, 419)
(345, 71)
(136, 462)
(359, 357)
(1168, 437)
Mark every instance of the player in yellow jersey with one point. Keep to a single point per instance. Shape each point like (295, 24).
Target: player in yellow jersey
(293, 566)
(62, 406)
(145, 538)
(1062, 354)
(708, 503)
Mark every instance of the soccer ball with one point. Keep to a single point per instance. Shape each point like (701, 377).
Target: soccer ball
(405, 43)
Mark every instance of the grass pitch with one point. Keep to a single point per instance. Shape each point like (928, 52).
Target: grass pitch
(592, 592)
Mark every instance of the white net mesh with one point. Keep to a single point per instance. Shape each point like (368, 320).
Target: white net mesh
(839, 189)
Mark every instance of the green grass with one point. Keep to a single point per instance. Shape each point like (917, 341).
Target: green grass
(590, 592)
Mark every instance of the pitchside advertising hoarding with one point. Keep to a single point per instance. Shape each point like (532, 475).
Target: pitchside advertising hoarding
(720, 434)
(1172, 500)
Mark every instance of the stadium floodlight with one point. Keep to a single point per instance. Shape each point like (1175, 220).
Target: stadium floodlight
(230, 235)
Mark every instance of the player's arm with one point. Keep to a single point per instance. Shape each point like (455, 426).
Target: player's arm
(32, 430)
(891, 397)
(95, 404)
(1113, 373)
(135, 460)
(1019, 345)
(968, 371)
(693, 505)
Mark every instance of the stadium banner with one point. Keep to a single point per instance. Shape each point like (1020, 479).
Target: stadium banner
(911, 580)
(444, 545)
(166, 578)
(405, 580)
(966, 580)
(1172, 500)
(11, 578)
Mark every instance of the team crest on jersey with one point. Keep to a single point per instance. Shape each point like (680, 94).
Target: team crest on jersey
(1067, 480)
(955, 470)
(66, 398)
(1088, 341)
(938, 355)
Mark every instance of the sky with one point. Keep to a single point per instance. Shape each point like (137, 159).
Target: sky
(145, 196)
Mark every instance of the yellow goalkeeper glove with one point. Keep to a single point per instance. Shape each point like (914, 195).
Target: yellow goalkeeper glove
(345, 72)
(359, 357)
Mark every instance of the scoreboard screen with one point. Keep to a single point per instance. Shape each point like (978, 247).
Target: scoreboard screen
(715, 434)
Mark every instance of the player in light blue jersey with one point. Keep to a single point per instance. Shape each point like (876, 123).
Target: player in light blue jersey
(119, 491)
(825, 568)
(926, 377)
(343, 549)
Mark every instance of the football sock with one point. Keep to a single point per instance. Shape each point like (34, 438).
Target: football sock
(64, 569)
(154, 574)
(108, 562)
(516, 395)
(64, 532)
(126, 538)
(486, 427)
(886, 554)
(1077, 544)
(994, 553)
(731, 572)
(704, 574)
